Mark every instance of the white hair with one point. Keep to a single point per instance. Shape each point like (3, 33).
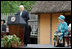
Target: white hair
(21, 6)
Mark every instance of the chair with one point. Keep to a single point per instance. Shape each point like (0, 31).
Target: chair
(68, 38)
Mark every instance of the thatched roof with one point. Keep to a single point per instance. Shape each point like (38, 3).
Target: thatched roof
(51, 7)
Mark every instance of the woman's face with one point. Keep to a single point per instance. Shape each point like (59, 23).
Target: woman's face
(2, 22)
(60, 20)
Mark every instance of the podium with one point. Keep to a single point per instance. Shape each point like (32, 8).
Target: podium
(16, 26)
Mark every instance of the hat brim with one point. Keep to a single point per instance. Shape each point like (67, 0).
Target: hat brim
(60, 18)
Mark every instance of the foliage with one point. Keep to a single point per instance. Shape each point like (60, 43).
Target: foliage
(13, 6)
(9, 40)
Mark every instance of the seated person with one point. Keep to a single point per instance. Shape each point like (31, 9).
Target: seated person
(69, 28)
(62, 28)
(3, 26)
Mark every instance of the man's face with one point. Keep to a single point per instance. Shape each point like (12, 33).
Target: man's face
(21, 8)
(2, 22)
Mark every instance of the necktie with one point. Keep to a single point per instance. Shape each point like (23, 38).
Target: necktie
(20, 13)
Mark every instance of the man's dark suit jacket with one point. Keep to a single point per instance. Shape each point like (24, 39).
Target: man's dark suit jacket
(25, 15)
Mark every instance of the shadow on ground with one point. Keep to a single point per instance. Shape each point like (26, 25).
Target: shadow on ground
(42, 46)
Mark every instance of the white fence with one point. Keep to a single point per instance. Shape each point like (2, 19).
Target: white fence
(33, 22)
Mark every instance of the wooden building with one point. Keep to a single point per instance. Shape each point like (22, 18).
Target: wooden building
(48, 13)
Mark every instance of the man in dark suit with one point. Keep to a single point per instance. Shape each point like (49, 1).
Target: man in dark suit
(25, 15)
(3, 26)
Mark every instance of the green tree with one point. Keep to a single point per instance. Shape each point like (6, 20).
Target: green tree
(13, 6)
